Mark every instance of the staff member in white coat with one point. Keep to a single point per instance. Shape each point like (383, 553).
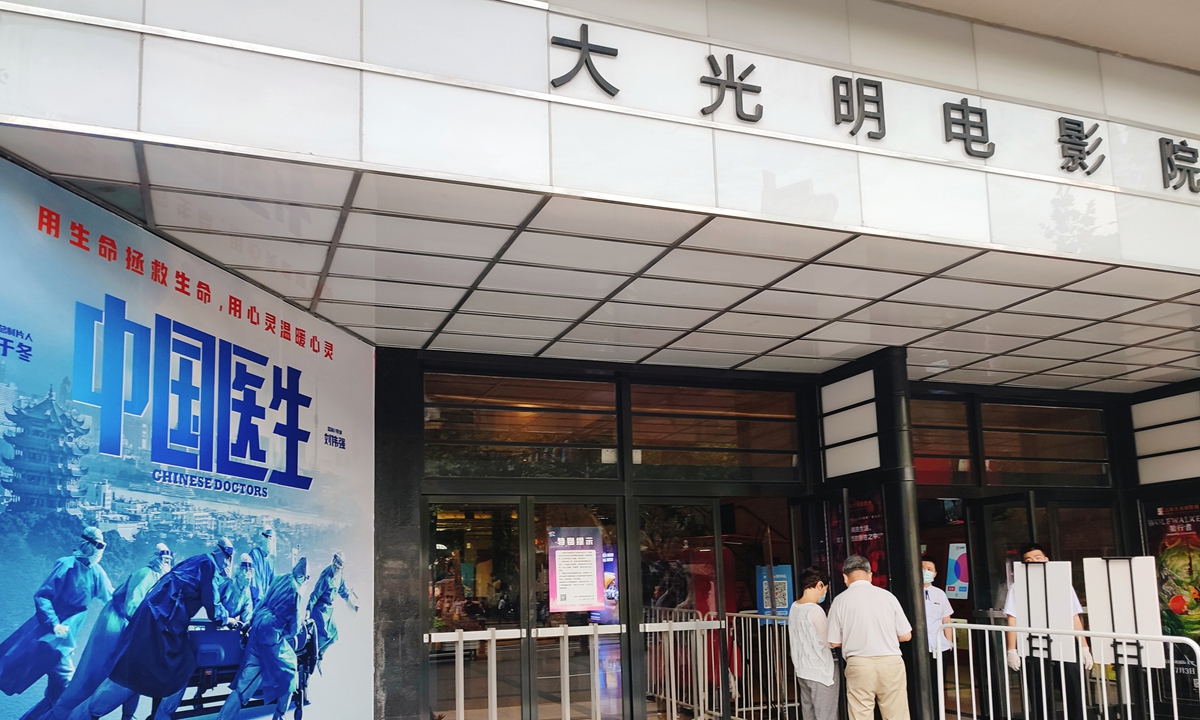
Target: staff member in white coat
(937, 613)
(808, 640)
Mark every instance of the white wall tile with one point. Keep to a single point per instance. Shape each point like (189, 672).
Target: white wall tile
(596, 150)
(1048, 216)
(325, 27)
(65, 71)
(651, 71)
(1151, 94)
(1159, 232)
(1034, 68)
(797, 98)
(230, 96)
(1027, 139)
(127, 10)
(492, 135)
(688, 16)
(909, 42)
(1137, 161)
(483, 40)
(812, 28)
(787, 179)
(914, 197)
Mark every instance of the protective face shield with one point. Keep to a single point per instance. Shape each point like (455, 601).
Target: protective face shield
(269, 542)
(246, 566)
(300, 571)
(223, 554)
(161, 559)
(338, 562)
(93, 544)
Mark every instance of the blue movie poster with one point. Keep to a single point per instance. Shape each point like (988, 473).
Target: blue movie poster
(186, 481)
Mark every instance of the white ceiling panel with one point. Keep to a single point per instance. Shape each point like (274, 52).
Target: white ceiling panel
(719, 267)
(835, 280)
(923, 372)
(867, 333)
(242, 217)
(601, 219)
(259, 253)
(486, 344)
(1180, 341)
(247, 177)
(1146, 356)
(622, 335)
(505, 326)
(620, 313)
(1119, 333)
(387, 265)
(1120, 386)
(1193, 299)
(425, 236)
(287, 284)
(773, 363)
(1167, 314)
(941, 358)
(1023, 269)
(1081, 305)
(761, 324)
(592, 351)
(888, 254)
(930, 316)
(1165, 374)
(1094, 369)
(389, 337)
(974, 342)
(376, 316)
(1140, 283)
(822, 349)
(70, 154)
(1065, 349)
(1061, 382)
(428, 198)
(781, 302)
(695, 358)
(1030, 325)
(727, 343)
(581, 253)
(536, 306)
(1011, 363)
(960, 293)
(519, 278)
(978, 377)
(391, 293)
(1191, 363)
(759, 238)
(670, 292)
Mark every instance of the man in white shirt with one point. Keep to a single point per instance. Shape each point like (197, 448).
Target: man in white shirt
(868, 624)
(808, 640)
(937, 613)
(1036, 668)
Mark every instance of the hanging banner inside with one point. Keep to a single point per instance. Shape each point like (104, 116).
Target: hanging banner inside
(957, 578)
(576, 569)
(185, 455)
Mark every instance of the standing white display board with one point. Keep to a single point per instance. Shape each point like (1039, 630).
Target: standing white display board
(1042, 592)
(1123, 598)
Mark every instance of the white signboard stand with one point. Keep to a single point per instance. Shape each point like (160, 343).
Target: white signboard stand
(1123, 598)
(1043, 597)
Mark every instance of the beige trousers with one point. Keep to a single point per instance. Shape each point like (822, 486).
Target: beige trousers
(876, 679)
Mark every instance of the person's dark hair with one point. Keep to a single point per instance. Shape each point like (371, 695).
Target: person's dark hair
(810, 577)
(929, 559)
(1030, 547)
(856, 562)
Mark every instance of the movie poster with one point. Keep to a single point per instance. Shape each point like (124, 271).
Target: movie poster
(1173, 534)
(186, 481)
(867, 538)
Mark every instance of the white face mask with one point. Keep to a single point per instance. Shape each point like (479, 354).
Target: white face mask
(927, 576)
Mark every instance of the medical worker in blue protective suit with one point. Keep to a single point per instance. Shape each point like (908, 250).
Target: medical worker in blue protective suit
(154, 656)
(263, 558)
(99, 654)
(269, 663)
(235, 596)
(45, 643)
(320, 603)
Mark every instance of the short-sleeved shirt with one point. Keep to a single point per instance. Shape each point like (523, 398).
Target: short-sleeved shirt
(867, 621)
(937, 609)
(808, 640)
(1010, 603)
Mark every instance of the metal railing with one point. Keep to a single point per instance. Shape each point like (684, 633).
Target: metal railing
(683, 662)
(1052, 680)
(763, 682)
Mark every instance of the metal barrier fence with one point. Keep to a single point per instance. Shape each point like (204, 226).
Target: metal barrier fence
(683, 662)
(1052, 681)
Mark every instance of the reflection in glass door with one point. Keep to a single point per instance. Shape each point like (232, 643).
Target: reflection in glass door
(576, 602)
